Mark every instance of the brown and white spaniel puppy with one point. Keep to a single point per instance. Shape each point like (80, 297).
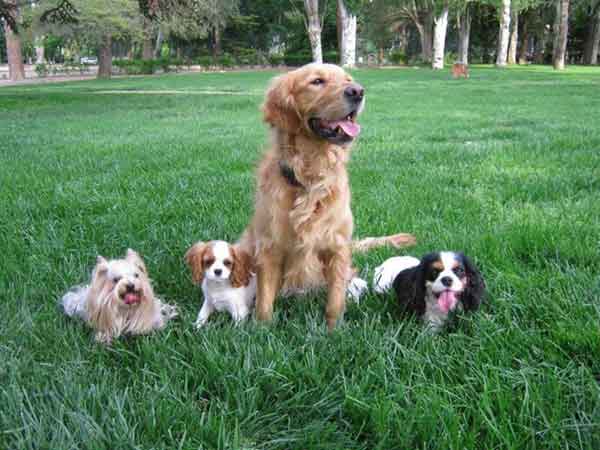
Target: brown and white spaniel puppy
(119, 300)
(434, 288)
(225, 275)
(301, 233)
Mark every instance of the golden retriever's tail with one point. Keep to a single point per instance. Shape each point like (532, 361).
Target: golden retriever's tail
(396, 240)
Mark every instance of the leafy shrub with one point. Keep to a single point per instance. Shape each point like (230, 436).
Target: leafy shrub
(297, 59)
(247, 56)
(276, 59)
(204, 61)
(398, 57)
(41, 70)
(331, 56)
(226, 60)
(450, 58)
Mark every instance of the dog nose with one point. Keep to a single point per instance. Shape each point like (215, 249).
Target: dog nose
(354, 92)
(218, 272)
(130, 287)
(446, 281)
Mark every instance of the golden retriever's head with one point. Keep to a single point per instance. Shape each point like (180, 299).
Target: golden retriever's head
(319, 100)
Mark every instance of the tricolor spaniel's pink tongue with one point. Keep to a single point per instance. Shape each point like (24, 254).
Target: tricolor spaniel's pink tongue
(350, 128)
(447, 301)
(131, 298)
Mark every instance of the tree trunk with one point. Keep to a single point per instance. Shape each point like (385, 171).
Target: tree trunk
(464, 33)
(425, 30)
(590, 53)
(158, 45)
(346, 23)
(148, 47)
(524, 41)
(105, 57)
(560, 48)
(503, 34)
(216, 41)
(439, 38)
(314, 29)
(16, 69)
(540, 47)
(514, 37)
(596, 44)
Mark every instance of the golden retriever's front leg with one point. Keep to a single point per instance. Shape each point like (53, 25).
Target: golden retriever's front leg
(268, 282)
(337, 267)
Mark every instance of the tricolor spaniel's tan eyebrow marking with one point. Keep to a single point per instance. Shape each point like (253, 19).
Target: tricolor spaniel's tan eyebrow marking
(438, 265)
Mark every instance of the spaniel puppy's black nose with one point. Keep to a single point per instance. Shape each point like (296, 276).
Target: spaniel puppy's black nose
(446, 281)
(354, 92)
(218, 272)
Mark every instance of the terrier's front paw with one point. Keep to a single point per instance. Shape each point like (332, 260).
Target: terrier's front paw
(169, 311)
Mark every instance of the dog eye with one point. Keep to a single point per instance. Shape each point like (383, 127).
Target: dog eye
(459, 271)
(227, 263)
(116, 279)
(137, 275)
(317, 81)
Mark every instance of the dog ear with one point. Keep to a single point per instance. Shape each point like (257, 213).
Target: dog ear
(243, 267)
(475, 290)
(409, 286)
(100, 269)
(133, 257)
(193, 258)
(279, 108)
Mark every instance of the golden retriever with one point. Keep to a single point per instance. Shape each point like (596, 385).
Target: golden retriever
(301, 232)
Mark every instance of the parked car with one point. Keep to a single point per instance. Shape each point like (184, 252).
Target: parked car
(88, 60)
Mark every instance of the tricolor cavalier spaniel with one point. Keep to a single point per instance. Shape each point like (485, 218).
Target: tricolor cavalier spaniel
(440, 284)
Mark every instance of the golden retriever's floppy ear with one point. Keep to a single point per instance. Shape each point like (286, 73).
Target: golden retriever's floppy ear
(193, 257)
(243, 267)
(279, 108)
(133, 257)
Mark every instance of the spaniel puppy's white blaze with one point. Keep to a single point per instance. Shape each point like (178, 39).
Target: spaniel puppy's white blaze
(225, 275)
(119, 300)
(439, 285)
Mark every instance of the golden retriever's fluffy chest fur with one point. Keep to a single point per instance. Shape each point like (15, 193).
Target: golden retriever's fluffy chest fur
(303, 221)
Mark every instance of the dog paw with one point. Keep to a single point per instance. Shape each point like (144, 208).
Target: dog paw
(169, 311)
(357, 288)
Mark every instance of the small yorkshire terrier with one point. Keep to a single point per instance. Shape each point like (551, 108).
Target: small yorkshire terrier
(460, 70)
(119, 300)
(227, 279)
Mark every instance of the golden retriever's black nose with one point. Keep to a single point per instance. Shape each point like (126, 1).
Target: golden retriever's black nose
(354, 92)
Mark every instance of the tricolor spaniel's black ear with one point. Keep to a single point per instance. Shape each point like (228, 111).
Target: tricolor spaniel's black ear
(475, 290)
(409, 286)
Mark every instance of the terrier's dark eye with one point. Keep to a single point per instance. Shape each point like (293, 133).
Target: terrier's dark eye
(116, 279)
(137, 275)
(317, 81)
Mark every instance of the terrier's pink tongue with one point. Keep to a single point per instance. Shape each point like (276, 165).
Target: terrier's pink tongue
(131, 297)
(350, 128)
(447, 301)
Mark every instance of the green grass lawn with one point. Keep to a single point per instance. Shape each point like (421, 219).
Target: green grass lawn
(505, 166)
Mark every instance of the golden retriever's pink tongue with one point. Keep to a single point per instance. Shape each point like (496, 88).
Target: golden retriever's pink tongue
(131, 297)
(447, 301)
(350, 128)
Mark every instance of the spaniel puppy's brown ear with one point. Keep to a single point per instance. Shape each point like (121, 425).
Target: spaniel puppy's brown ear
(133, 257)
(279, 108)
(194, 257)
(243, 266)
